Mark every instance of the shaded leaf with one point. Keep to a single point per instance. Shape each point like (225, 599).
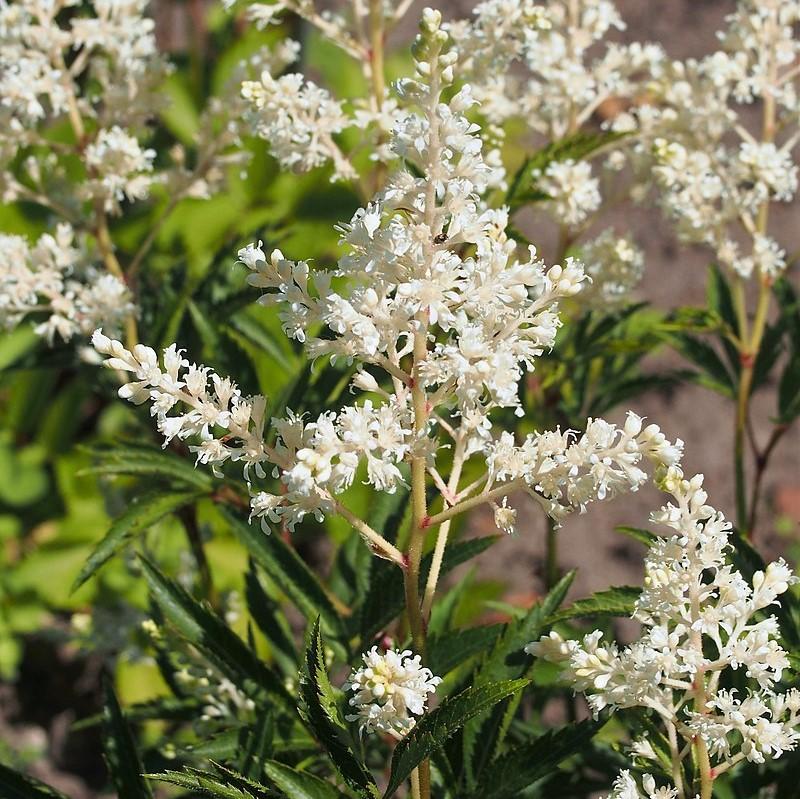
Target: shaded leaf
(638, 533)
(385, 600)
(119, 748)
(224, 784)
(135, 459)
(288, 571)
(298, 784)
(14, 785)
(617, 601)
(322, 714)
(451, 649)
(523, 187)
(202, 628)
(436, 727)
(534, 759)
(143, 512)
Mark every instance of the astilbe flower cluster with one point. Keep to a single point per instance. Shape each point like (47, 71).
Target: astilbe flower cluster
(80, 85)
(302, 121)
(47, 51)
(435, 297)
(389, 690)
(716, 174)
(551, 67)
(58, 284)
(701, 621)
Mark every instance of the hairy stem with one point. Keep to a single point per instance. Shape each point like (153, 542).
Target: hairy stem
(379, 544)
(473, 502)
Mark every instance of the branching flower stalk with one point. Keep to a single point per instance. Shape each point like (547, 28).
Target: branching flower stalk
(702, 619)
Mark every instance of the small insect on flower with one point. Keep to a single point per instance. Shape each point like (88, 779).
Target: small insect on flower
(389, 690)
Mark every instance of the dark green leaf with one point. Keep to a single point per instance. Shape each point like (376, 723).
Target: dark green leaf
(534, 759)
(508, 660)
(135, 459)
(523, 187)
(163, 709)
(638, 533)
(288, 571)
(202, 628)
(436, 727)
(257, 744)
(223, 785)
(703, 355)
(385, 599)
(617, 601)
(451, 649)
(143, 512)
(265, 611)
(14, 785)
(789, 390)
(719, 299)
(298, 784)
(121, 755)
(322, 714)
(770, 349)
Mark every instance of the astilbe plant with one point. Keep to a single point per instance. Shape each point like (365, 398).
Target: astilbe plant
(435, 315)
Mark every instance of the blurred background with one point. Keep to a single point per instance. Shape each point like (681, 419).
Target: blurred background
(52, 511)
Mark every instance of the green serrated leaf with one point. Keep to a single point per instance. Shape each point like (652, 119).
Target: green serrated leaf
(706, 358)
(289, 572)
(119, 748)
(202, 628)
(446, 651)
(222, 785)
(771, 348)
(617, 601)
(143, 512)
(507, 660)
(148, 461)
(298, 784)
(436, 727)
(789, 391)
(257, 745)
(14, 785)
(532, 760)
(322, 714)
(265, 612)
(719, 298)
(163, 709)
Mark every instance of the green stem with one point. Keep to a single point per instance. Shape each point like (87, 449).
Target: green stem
(704, 765)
